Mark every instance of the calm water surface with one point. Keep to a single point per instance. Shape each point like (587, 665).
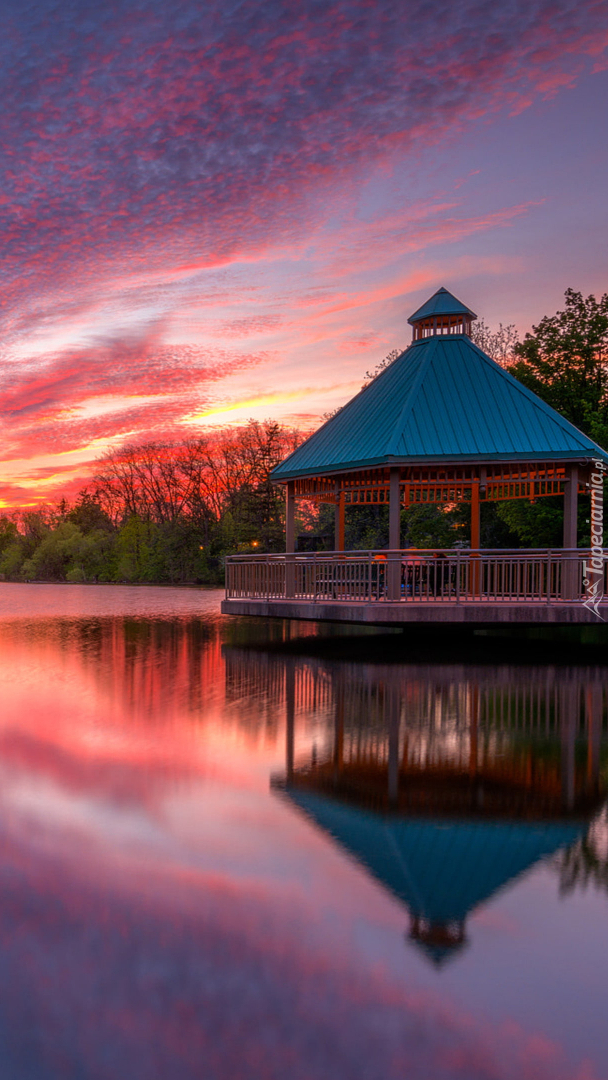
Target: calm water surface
(232, 850)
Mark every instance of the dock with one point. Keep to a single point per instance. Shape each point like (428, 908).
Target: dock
(404, 588)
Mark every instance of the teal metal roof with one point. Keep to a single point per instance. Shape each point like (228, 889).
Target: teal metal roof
(442, 400)
(441, 303)
(441, 870)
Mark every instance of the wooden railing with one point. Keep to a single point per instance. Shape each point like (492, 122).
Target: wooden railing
(436, 576)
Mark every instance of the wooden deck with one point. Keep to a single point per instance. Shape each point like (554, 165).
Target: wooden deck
(389, 588)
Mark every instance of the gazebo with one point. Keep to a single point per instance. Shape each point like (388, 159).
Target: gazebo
(442, 424)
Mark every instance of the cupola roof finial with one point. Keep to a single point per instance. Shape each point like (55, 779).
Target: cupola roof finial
(441, 314)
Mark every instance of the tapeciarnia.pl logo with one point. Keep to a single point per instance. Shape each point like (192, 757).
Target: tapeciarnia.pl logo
(593, 570)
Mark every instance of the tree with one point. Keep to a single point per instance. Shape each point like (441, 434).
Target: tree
(8, 532)
(499, 344)
(201, 481)
(137, 551)
(565, 362)
(366, 527)
(11, 548)
(166, 512)
(585, 862)
(88, 514)
(65, 553)
(381, 366)
(256, 502)
(429, 525)
(535, 525)
(150, 481)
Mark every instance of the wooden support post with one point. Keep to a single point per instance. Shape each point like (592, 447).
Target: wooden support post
(394, 512)
(473, 730)
(568, 722)
(290, 517)
(338, 730)
(405, 752)
(570, 568)
(394, 535)
(290, 539)
(571, 508)
(394, 722)
(290, 713)
(593, 715)
(475, 517)
(475, 538)
(340, 521)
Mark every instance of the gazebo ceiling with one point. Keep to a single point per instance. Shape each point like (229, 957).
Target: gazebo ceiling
(443, 401)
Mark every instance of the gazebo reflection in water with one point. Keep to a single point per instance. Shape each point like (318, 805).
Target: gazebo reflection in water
(446, 783)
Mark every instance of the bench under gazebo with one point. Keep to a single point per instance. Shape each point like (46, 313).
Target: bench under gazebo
(441, 425)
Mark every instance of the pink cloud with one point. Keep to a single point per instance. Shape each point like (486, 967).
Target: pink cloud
(148, 152)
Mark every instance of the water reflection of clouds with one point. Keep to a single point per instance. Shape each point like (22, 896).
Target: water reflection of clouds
(157, 979)
(165, 914)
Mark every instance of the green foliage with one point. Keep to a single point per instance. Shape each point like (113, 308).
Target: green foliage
(12, 549)
(11, 561)
(315, 523)
(255, 519)
(365, 527)
(536, 525)
(496, 531)
(8, 532)
(134, 551)
(565, 362)
(426, 525)
(540, 524)
(11, 552)
(65, 553)
(34, 526)
(88, 515)
(19, 540)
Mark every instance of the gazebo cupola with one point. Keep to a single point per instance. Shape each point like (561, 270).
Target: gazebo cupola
(441, 314)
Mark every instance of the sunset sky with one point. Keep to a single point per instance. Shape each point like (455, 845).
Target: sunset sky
(217, 211)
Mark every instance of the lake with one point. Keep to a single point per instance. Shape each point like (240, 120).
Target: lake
(245, 849)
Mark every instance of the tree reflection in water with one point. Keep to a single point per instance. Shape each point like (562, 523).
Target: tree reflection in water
(585, 862)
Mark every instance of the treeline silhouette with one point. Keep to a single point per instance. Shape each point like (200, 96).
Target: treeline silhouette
(170, 512)
(158, 512)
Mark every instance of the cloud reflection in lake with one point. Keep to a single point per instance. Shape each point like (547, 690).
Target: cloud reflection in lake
(167, 910)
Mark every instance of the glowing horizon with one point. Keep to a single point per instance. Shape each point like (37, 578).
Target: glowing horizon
(210, 216)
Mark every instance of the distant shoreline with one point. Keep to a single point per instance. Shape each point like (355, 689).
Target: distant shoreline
(114, 584)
